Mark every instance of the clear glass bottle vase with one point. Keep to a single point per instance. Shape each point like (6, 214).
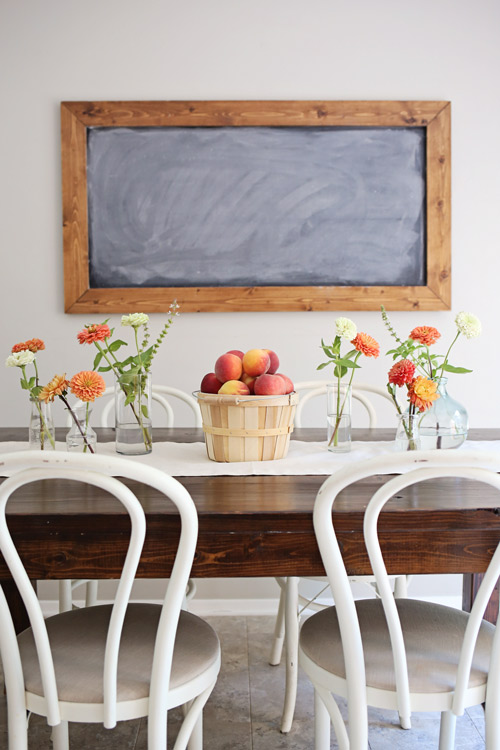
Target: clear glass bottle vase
(338, 404)
(41, 427)
(81, 436)
(445, 424)
(133, 414)
(407, 432)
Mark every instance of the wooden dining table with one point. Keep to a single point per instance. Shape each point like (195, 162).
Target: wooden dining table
(253, 525)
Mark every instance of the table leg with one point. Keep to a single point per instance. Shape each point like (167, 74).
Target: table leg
(470, 586)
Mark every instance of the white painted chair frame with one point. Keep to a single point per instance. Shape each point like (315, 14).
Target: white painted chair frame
(419, 467)
(291, 603)
(159, 394)
(31, 466)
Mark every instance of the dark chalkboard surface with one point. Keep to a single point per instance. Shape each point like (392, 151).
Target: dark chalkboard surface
(256, 206)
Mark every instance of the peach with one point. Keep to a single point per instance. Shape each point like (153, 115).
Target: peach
(228, 367)
(256, 362)
(269, 385)
(234, 388)
(210, 383)
(237, 352)
(289, 386)
(248, 380)
(275, 363)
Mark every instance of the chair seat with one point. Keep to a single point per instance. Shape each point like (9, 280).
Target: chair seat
(78, 639)
(433, 636)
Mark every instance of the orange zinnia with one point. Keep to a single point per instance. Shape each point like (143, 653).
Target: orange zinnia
(96, 332)
(422, 393)
(425, 335)
(57, 387)
(33, 345)
(402, 372)
(366, 344)
(87, 385)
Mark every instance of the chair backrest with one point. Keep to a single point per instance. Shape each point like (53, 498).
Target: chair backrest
(161, 394)
(411, 467)
(23, 468)
(311, 389)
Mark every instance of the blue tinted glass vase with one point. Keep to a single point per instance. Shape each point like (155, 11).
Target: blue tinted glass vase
(445, 424)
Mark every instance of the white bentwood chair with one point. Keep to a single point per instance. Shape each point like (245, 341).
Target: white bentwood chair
(161, 395)
(107, 663)
(292, 603)
(405, 654)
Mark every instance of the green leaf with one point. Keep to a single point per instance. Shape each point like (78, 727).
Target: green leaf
(457, 370)
(115, 345)
(348, 363)
(97, 359)
(129, 398)
(104, 368)
(145, 411)
(339, 372)
(323, 365)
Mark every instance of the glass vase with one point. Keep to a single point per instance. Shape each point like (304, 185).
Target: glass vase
(41, 428)
(81, 437)
(407, 433)
(445, 424)
(338, 404)
(133, 414)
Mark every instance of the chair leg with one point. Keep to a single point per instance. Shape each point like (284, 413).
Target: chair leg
(65, 596)
(191, 731)
(321, 724)
(91, 594)
(401, 587)
(17, 727)
(291, 651)
(279, 632)
(447, 731)
(60, 736)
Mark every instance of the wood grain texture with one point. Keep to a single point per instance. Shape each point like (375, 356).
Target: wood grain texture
(76, 117)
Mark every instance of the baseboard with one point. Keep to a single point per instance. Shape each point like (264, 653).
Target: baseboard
(241, 607)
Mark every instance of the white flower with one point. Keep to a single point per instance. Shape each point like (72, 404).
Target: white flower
(346, 328)
(468, 324)
(20, 359)
(136, 320)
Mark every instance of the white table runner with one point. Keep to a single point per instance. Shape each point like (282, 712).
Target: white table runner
(190, 459)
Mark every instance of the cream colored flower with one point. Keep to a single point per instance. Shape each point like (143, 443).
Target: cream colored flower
(136, 320)
(468, 324)
(20, 359)
(346, 328)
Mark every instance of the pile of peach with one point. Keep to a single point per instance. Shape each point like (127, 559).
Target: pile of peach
(239, 374)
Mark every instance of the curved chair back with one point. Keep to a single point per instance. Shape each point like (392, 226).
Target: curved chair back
(311, 389)
(412, 467)
(161, 394)
(100, 471)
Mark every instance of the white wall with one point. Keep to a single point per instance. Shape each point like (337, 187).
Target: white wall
(229, 49)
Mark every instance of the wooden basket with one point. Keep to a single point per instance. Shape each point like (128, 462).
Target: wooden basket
(247, 428)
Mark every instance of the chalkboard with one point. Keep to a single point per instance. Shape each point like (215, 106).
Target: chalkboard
(256, 205)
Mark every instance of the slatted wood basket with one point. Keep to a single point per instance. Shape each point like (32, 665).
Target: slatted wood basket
(247, 428)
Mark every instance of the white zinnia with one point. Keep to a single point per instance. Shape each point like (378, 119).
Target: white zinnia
(20, 359)
(136, 320)
(346, 328)
(468, 324)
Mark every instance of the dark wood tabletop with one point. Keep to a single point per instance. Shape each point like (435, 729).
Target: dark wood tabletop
(253, 525)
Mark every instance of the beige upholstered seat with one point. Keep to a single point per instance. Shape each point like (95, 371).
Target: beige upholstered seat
(433, 636)
(79, 670)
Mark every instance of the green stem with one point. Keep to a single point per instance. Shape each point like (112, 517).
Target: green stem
(340, 409)
(445, 361)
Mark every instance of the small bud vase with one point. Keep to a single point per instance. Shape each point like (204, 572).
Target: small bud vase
(338, 404)
(407, 432)
(133, 414)
(41, 428)
(81, 437)
(445, 424)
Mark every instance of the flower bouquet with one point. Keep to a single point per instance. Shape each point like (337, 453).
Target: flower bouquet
(443, 422)
(133, 376)
(339, 394)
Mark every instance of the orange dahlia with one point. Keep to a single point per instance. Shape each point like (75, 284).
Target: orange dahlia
(57, 387)
(425, 335)
(366, 344)
(422, 393)
(87, 385)
(96, 332)
(33, 345)
(402, 372)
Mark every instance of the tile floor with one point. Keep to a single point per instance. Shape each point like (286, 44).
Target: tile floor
(244, 709)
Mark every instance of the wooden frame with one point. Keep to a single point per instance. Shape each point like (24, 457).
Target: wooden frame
(77, 117)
